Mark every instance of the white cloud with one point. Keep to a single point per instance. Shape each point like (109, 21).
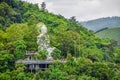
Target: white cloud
(82, 9)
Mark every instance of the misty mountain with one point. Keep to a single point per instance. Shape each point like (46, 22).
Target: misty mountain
(101, 23)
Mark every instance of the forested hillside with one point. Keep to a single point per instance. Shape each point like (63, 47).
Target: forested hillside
(88, 57)
(102, 23)
(113, 33)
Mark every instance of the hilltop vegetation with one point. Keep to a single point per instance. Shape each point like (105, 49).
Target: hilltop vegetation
(101, 23)
(88, 57)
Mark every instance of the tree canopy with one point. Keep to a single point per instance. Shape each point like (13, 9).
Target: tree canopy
(88, 57)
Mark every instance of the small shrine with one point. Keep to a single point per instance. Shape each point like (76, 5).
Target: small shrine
(43, 44)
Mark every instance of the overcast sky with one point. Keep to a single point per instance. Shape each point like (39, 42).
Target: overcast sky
(82, 9)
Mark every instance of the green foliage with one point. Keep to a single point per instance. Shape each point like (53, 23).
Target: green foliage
(6, 61)
(87, 56)
(84, 77)
(80, 69)
(5, 75)
(93, 54)
(16, 74)
(20, 49)
(7, 15)
(56, 54)
(117, 55)
(16, 32)
(31, 37)
(67, 41)
(41, 55)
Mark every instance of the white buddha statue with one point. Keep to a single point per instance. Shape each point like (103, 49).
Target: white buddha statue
(43, 29)
(43, 42)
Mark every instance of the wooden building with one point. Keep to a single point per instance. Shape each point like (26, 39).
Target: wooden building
(33, 65)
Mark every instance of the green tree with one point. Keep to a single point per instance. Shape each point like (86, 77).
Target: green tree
(73, 19)
(41, 55)
(56, 74)
(100, 71)
(16, 32)
(20, 49)
(43, 6)
(56, 54)
(31, 38)
(6, 61)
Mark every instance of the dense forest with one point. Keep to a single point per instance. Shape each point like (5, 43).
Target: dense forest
(102, 23)
(88, 57)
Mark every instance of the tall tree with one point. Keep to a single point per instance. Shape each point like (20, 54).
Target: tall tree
(43, 6)
(73, 19)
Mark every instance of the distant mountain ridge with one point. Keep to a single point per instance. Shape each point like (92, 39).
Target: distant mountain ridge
(101, 23)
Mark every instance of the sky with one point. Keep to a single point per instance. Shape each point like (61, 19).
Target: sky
(83, 9)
